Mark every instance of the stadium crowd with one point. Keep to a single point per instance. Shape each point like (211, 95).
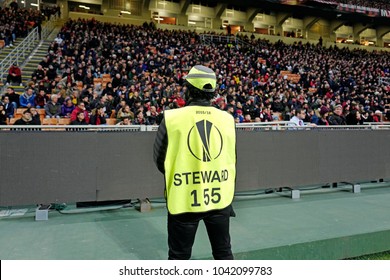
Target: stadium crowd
(378, 4)
(15, 22)
(147, 67)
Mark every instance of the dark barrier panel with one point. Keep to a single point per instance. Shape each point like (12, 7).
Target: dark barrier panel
(54, 167)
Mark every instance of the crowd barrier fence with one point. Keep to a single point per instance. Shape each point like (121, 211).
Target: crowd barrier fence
(64, 164)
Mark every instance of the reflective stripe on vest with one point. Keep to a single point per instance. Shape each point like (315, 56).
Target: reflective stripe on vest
(200, 164)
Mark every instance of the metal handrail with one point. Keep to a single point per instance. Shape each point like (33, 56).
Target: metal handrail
(79, 128)
(20, 54)
(207, 39)
(6, 3)
(286, 125)
(282, 125)
(49, 26)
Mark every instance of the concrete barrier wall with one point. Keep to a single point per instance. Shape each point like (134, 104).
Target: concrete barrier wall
(56, 167)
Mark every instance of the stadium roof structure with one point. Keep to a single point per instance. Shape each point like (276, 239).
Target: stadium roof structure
(301, 9)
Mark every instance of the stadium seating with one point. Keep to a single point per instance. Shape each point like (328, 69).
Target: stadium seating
(49, 121)
(111, 121)
(64, 121)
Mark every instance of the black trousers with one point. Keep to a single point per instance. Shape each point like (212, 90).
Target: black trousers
(182, 229)
(14, 79)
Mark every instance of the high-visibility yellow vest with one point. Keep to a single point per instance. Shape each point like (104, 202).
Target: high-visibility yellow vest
(200, 164)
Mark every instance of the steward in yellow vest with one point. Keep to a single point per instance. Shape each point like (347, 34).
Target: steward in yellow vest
(195, 149)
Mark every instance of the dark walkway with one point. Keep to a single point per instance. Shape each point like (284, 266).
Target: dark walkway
(322, 224)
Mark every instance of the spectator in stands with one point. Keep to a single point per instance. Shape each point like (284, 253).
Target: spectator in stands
(140, 118)
(247, 118)
(266, 115)
(6, 35)
(80, 108)
(27, 99)
(313, 118)
(87, 92)
(14, 75)
(125, 112)
(88, 79)
(116, 81)
(229, 30)
(324, 113)
(80, 119)
(58, 39)
(26, 118)
(14, 98)
(8, 107)
(329, 72)
(3, 115)
(121, 105)
(110, 105)
(152, 115)
(40, 99)
(124, 121)
(98, 116)
(45, 63)
(99, 100)
(51, 73)
(38, 74)
(297, 119)
(38, 25)
(53, 108)
(36, 119)
(277, 105)
(87, 104)
(354, 118)
(67, 108)
(365, 116)
(75, 96)
(337, 118)
(14, 5)
(239, 116)
(377, 117)
(109, 89)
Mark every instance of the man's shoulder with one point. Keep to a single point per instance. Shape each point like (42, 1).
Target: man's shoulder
(20, 122)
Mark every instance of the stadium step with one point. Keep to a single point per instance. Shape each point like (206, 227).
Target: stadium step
(31, 61)
(18, 89)
(6, 50)
(36, 57)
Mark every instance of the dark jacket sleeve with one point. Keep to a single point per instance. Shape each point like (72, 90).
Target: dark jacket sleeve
(160, 147)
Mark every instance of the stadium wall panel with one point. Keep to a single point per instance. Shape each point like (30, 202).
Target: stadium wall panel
(38, 167)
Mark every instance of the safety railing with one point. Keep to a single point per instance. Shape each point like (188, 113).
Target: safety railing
(49, 26)
(79, 128)
(208, 39)
(286, 125)
(283, 125)
(20, 54)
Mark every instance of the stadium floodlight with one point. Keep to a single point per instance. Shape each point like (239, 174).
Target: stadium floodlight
(34, 4)
(84, 7)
